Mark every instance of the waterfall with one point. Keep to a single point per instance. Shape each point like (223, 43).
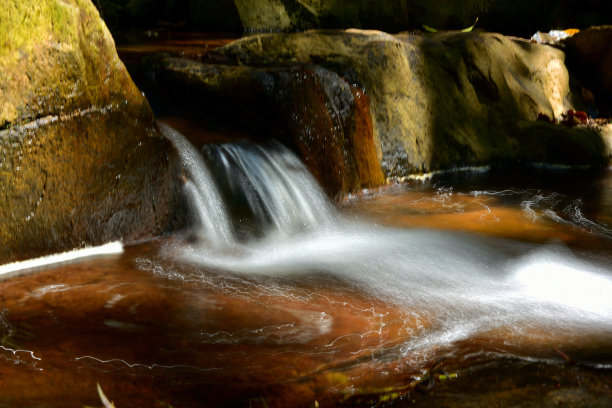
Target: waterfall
(277, 187)
(212, 219)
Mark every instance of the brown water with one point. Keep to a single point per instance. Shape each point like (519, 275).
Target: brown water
(183, 44)
(153, 330)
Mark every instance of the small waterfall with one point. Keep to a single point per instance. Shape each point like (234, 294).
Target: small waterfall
(277, 188)
(212, 218)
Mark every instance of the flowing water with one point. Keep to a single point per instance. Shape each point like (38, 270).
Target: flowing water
(465, 288)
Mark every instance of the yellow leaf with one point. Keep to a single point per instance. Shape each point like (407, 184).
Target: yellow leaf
(470, 28)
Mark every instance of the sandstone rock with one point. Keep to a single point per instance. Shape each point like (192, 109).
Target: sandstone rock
(307, 107)
(437, 101)
(81, 160)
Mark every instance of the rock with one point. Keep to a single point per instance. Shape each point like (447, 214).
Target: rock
(437, 101)
(572, 146)
(292, 15)
(307, 107)
(81, 159)
(589, 56)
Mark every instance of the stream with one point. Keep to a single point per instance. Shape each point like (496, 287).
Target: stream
(476, 287)
(463, 287)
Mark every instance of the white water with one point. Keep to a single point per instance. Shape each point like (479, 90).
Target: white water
(463, 285)
(276, 185)
(212, 219)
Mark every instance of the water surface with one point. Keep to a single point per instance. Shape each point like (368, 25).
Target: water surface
(466, 288)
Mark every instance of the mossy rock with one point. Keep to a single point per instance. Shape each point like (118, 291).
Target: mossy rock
(81, 159)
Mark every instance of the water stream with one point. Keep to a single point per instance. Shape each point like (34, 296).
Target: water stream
(457, 285)
(276, 297)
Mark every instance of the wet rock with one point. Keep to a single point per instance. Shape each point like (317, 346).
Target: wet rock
(81, 160)
(307, 107)
(439, 101)
(557, 144)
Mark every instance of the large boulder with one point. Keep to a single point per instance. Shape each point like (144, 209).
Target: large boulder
(442, 100)
(81, 159)
(310, 108)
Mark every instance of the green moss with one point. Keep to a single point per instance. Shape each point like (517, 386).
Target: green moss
(24, 24)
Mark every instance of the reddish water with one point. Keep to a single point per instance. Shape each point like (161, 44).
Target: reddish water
(157, 332)
(575, 208)
(189, 45)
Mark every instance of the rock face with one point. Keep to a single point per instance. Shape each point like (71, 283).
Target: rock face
(81, 160)
(444, 100)
(291, 15)
(307, 107)
(589, 55)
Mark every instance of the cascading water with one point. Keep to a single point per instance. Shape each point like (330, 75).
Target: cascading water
(213, 222)
(454, 286)
(276, 186)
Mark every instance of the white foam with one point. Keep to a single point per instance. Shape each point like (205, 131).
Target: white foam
(212, 218)
(566, 282)
(423, 177)
(17, 268)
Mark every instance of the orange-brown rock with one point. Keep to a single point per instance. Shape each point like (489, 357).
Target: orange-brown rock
(307, 107)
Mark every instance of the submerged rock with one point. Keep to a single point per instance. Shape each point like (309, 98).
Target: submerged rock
(81, 160)
(443, 100)
(307, 107)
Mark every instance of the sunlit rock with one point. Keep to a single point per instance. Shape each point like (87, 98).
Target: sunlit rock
(81, 160)
(441, 100)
